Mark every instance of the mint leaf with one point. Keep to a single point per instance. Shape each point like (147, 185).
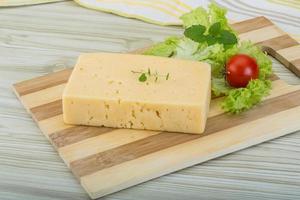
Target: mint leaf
(215, 28)
(227, 38)
(143, 77)
(211, 40)
(195, 33)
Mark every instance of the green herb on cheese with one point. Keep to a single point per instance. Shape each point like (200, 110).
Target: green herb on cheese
(144, 76)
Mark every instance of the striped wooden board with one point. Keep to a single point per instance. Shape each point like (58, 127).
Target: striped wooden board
(106, 160)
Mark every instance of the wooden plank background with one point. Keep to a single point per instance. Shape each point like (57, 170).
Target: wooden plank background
(33, 42)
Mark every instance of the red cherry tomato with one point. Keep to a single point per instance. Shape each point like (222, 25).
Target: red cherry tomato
(240, 69)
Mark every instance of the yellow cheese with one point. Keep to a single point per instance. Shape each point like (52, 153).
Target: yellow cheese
(104, 90)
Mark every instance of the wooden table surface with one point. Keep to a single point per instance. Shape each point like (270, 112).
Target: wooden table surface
(35, 40)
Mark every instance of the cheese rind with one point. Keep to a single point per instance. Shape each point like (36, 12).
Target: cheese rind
(103, 90)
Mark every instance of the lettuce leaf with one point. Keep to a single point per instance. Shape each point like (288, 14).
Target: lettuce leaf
(164, 49)
(196, 17)
(220, 87)
(218, 14)
(200, 16)
(188, 49)
(242, 99)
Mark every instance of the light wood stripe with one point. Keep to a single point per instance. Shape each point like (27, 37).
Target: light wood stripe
(42, 82)
(130, 173)
(47, 110)
(251, 24)
(76, 134)
(161, 141)
(290, 53)
(102, 143)
(280, 88)
(278, 43)
(44, 96)
(53, 124)
(262, 34)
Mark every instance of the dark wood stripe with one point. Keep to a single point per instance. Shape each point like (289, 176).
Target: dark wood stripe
(47, 110)
(295, 66)
(164, 140)
(296, 62)
(42, 82)
(76, 134)
(278, 43)
(251, 24)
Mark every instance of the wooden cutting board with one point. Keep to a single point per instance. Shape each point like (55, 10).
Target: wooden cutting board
(106, 160)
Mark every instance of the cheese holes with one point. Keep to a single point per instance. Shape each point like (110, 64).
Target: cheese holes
(157, 114)
(133, 114)
(130, 124)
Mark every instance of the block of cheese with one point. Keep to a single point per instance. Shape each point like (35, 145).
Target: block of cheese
(138, 91)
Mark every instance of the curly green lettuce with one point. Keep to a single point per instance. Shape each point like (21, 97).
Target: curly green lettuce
(200, 16)
(218, 14)
(188, 49)
(196, 17)
(163, 49)
(219, 87)
(242, 99)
